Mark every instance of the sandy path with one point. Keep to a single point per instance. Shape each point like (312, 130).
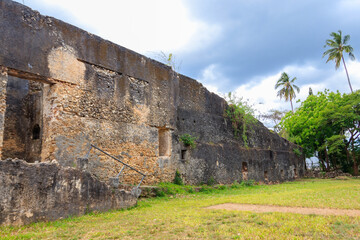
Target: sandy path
(300, 210)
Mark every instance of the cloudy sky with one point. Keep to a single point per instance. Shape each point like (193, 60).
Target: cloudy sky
(237, 46)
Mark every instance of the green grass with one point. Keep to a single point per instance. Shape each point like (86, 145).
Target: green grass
(184, 216)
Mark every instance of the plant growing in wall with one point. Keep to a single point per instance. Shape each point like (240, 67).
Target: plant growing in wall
(188, 140)
(177, 179)
(241, 116)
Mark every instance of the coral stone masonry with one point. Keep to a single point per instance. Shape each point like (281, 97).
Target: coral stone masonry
(62, 89)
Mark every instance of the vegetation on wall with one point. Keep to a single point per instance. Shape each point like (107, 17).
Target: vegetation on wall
(241, 115)
(177, 179)
(169, 59)
(188, 140)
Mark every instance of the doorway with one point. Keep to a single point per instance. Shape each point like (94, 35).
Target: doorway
(22, 136)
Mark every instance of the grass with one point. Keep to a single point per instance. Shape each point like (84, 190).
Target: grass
(184, 217)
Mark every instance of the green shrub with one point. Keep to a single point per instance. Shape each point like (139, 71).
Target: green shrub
(206, 189)
(211, 181)
(159, 192)
(235, 185)
(177, 179)
(222, 187)
(188, 140)
(241, 115)
(248, 183)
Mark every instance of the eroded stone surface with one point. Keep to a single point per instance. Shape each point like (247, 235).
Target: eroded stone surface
(33, 192)
(128, 105)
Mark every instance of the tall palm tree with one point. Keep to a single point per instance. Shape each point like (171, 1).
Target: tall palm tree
(337, 46)
(287, 91)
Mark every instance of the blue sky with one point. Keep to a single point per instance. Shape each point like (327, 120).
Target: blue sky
(240, 46)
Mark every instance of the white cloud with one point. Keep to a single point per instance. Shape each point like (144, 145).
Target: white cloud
(212, 78)
(141, 25)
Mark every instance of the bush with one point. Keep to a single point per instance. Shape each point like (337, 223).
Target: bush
(211, 181)
(235, 185)
(159, 193)
(248, 183)
(222, 187)
(188, 140)
(241, 115)
(177, 179)
(206, 189)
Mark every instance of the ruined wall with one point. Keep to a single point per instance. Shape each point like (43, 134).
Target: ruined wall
(94, 91)
(103, 94)
(47, 191)
(267, 157)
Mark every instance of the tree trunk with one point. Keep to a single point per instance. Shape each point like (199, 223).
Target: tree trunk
(347, 154)
(327, 161)
(292, 109)
(347, 74)
(356, 168)
(321, 162)
(356, 164)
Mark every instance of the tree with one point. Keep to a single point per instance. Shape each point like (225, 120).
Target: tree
(310, 91)
(327, 125)
(287, 91)
(275, 116)
(337, 46)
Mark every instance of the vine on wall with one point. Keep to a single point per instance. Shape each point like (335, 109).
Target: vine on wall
(241, 115)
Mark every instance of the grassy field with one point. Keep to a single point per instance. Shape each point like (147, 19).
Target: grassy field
(184, 216)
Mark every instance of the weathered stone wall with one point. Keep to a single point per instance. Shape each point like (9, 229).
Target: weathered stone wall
(267, 157)
(32, 192)
(94, 91)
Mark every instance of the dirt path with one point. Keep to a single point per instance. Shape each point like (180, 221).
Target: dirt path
(300, 210)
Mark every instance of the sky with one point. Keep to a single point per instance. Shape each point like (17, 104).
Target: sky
(237, 46)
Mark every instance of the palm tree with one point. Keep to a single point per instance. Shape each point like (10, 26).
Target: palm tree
(337, 46)
(287, 91)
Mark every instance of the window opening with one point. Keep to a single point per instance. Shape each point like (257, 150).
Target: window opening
(164, 142)
(36, 132)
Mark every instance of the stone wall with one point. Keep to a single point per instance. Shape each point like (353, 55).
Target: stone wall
(266, 158)
(32, 192)
(94, 91)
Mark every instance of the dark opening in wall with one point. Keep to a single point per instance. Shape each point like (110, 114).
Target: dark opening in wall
(271, 155)
(266, 175)
(244, 170)
(36, 132)
(164, 142)
(295, 173)
(183, 154)
(16, 122)
(282, 173)
(22, 120)
(244, 167)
